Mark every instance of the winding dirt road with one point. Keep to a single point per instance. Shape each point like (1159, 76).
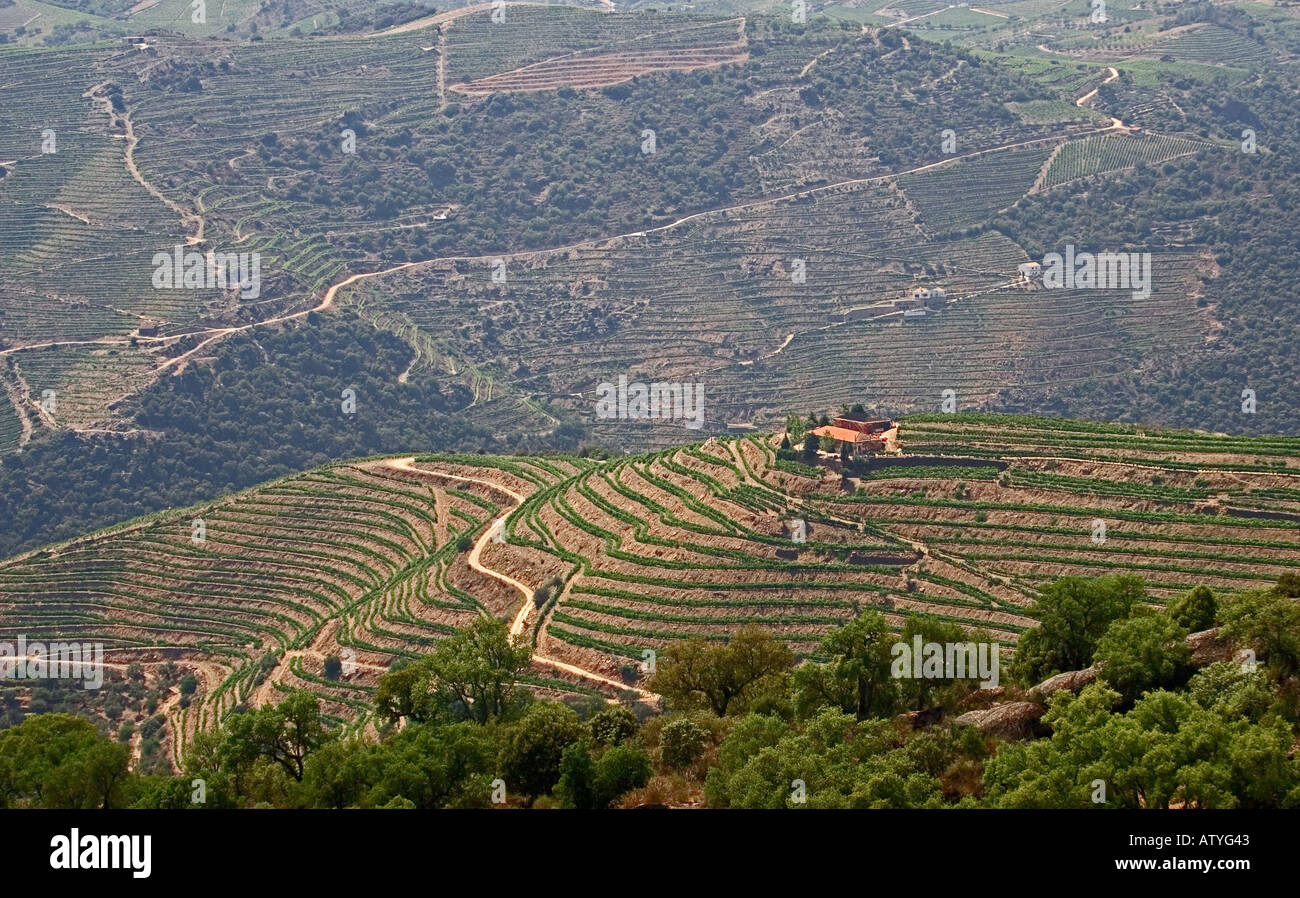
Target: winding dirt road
(211, 335)
(520, 621)
(1114, 73)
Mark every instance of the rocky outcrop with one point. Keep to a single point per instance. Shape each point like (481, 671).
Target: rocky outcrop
(1011, 720)
(1208, 648)
(1021, 719)
(1073, 680)
(982, 698)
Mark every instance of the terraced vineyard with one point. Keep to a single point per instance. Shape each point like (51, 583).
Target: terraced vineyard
(359, 560)
(955, 197)
(970, 541)
(698, 541)
(714, 301)
(1212, 44)
(819, 144)
(76, 232)
(86, 380)
(371, 560)
(594, 70)
(1111, 152)
(11, 428)
(535, 50)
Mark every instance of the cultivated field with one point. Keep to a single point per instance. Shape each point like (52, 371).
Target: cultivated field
(714, 300)
(534, 49)
(357, 560)
(1109, 152)
(374, 561)
(819, 144)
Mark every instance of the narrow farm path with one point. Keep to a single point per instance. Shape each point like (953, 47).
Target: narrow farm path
(933, 12)
(189, 219)
(442, 68)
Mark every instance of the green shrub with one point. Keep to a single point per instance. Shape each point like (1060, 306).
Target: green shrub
(681, 742)
(613, 724)
(1195, 609)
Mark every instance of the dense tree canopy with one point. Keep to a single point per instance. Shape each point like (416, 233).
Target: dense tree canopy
(1153, 731)
(1073, 614)
(695, 672)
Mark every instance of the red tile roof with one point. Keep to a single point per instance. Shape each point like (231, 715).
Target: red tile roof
(844, 435)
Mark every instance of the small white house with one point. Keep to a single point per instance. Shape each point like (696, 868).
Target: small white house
(1031, 270)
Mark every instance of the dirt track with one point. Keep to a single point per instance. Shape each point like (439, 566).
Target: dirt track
(520, 621)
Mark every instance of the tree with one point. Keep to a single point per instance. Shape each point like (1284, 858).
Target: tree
(1142, 652)
(811, 443)
(1195, 609)
(61, 761)
(113, 705)
(857, 679)
(1267, 621)
(478, 667)
(681, 742)
(1073, 613)
(576, 787)
(431, 766)
(285, 734)
(695, 672)
(1288, 585)
(339, 774)
(189, 683)
(613, 724)
(470, 674)
(164, 793)
(618, 771)
(298, 731)
(405, 693)
(533, 747)
(794, 430)
(209, 757)
(836, 760)
(1231, 690)
(917, 690)
(1168, 750)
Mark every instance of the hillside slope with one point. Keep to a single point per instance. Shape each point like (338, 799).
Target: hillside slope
(374, 560)
(574, 192)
